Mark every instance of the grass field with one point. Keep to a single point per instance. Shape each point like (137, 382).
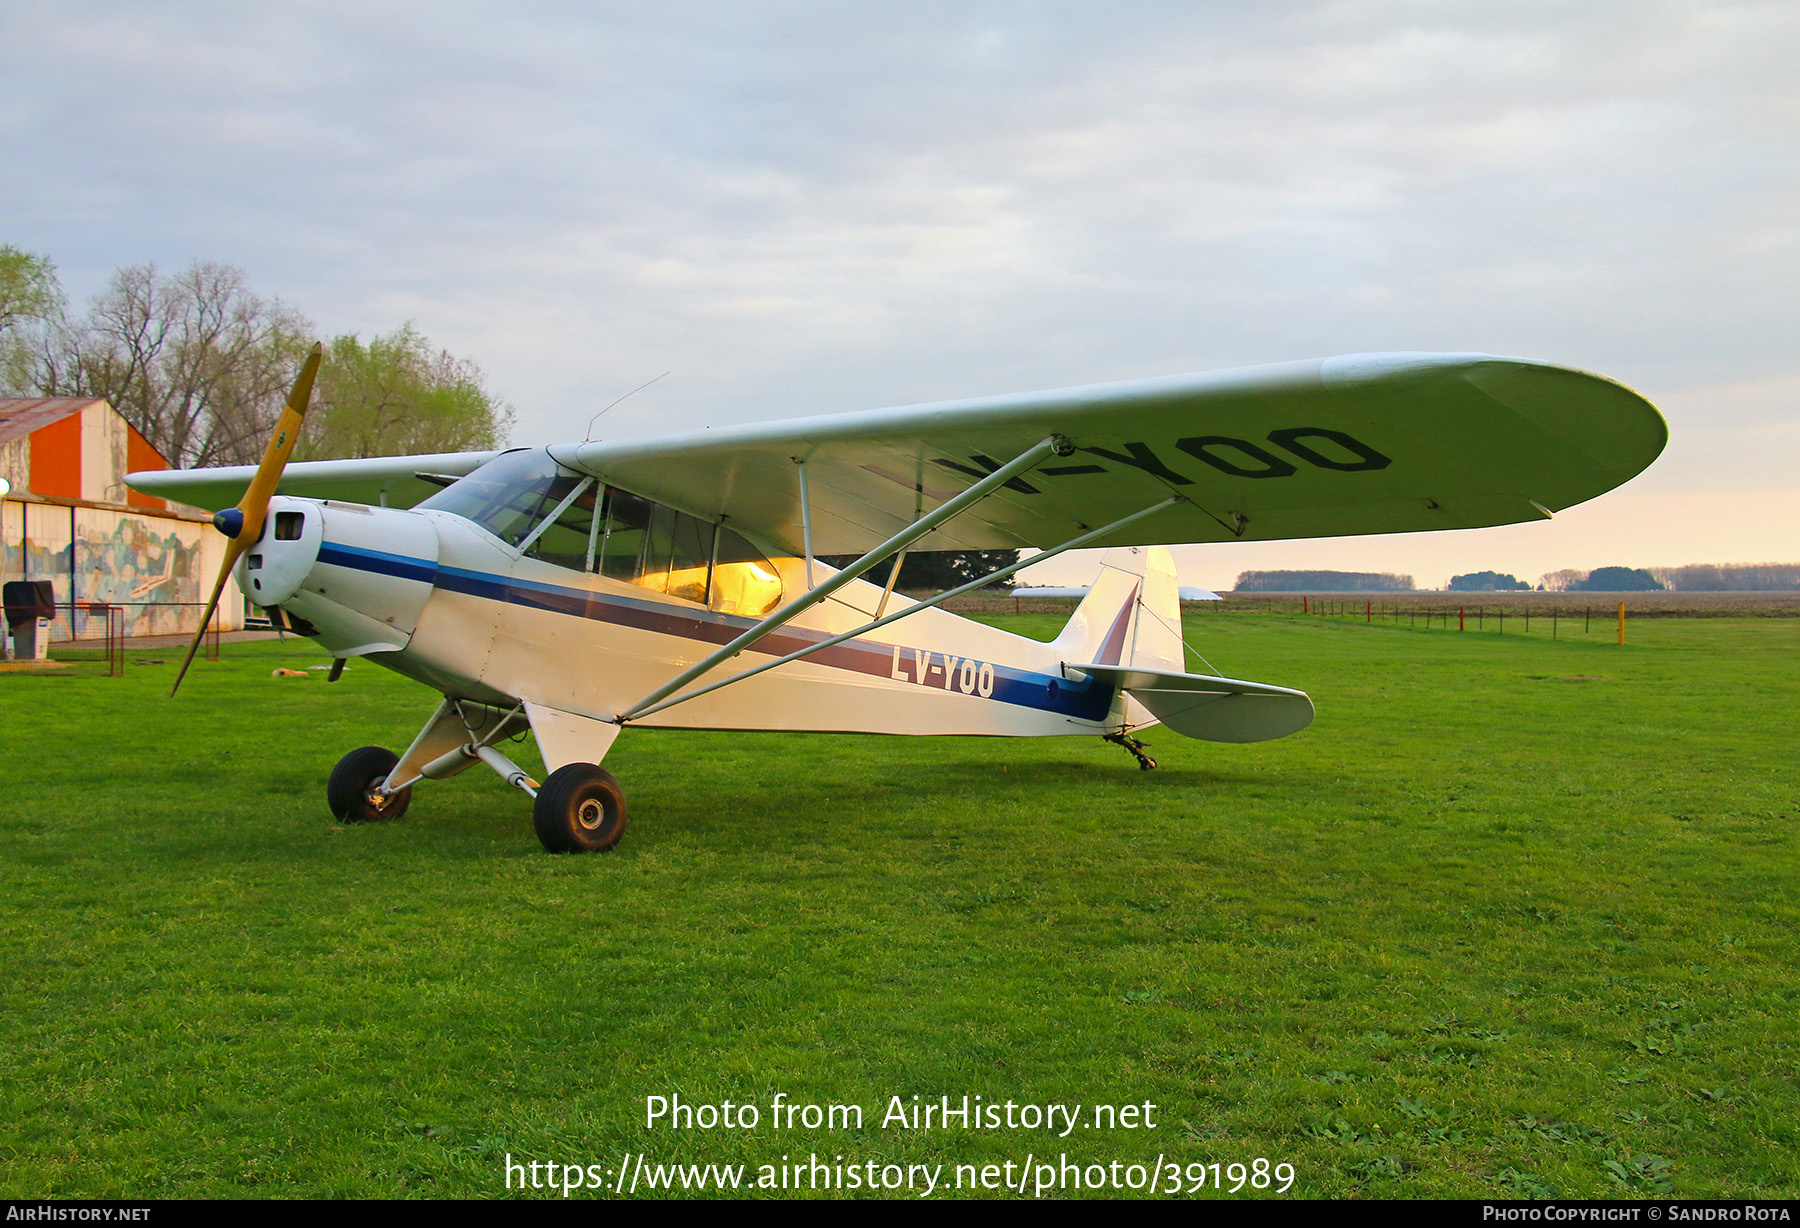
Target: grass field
(1514, 918)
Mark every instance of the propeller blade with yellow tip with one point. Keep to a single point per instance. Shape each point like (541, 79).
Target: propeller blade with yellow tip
(243, 524)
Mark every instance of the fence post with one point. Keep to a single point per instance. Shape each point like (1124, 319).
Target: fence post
(1621, 624)
(1306, 605)
(1368, 611)
(1462, 617)
(115, 641)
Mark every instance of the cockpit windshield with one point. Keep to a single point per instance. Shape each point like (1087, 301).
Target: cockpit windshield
(510, 494)
(560, 516)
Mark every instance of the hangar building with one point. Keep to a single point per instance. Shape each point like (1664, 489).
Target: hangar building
(69, 518)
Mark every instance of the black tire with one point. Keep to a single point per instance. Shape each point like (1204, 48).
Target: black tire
(580, 809)
(353, 778)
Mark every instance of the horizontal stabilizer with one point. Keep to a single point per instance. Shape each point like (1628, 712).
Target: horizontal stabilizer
(1211, 709)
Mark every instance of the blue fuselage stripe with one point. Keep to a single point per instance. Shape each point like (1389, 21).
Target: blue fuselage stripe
(1087, 700)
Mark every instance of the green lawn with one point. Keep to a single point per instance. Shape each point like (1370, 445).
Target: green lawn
(1513, 917)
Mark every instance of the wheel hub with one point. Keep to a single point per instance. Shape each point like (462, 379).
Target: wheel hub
(590, 814)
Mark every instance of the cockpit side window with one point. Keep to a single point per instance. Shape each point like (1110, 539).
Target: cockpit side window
(559, 516)
(626, 531)
(667, 551)
(677, 555)
(564, 540)
(743, 580)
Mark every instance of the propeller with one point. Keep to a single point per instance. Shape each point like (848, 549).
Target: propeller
(243, 524)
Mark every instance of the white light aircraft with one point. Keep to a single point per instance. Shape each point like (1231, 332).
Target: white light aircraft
(578, 590)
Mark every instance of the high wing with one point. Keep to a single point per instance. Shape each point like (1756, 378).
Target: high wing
(1370, 443)
(381, 481)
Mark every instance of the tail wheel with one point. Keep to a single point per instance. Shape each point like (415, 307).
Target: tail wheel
(580, 809)
(354, 790)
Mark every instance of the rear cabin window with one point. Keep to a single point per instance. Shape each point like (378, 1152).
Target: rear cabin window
(559, 516)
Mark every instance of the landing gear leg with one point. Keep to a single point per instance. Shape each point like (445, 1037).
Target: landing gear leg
(1121, 738)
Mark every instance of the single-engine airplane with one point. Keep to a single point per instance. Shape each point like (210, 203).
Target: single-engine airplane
(577, 590)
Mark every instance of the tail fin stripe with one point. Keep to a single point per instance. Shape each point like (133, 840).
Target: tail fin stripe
(1113, 649)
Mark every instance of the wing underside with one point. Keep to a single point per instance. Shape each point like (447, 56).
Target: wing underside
(379, 481)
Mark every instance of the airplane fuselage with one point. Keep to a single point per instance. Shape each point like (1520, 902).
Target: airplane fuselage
(435, 597)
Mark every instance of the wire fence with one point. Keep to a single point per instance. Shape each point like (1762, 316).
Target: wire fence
(1609, 613)
(112, 625)
(1487, 608)
(1553, 620)
(91, 620)
(1431, 609)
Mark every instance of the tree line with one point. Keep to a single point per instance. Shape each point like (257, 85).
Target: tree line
(1322, 582)
(1692, 578)
(200, 365)
(933, 571)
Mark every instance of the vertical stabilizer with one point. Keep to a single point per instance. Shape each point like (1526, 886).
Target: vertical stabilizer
(1131, 615)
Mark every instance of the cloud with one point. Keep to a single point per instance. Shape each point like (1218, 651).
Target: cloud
(810, 207)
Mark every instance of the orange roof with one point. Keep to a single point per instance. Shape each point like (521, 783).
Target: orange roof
(19, 416)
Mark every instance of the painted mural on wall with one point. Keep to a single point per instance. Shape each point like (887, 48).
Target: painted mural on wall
(152, 568)
(143, 565)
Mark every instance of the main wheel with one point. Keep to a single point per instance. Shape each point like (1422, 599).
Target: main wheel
(353, 790)
(580, 809)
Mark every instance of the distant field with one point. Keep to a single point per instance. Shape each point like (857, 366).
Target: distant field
(1566, 605)
(1514, 917)
(1639, 605)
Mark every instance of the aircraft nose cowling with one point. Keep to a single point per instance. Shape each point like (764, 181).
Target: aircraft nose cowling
(373, 572)
(273, 569)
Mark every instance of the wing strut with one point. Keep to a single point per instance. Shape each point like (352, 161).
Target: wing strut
(805, 520)
(1073, 543)
(1054, 444)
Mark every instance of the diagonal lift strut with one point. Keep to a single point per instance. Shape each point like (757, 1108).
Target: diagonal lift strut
(1030, 458)
(1074, 543)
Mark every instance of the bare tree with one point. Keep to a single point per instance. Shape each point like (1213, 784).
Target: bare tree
(196, 362)
(200, 366)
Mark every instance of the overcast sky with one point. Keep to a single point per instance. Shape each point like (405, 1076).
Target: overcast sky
(802, 208)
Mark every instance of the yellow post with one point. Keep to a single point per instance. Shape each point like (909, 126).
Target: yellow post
(1621, 624)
